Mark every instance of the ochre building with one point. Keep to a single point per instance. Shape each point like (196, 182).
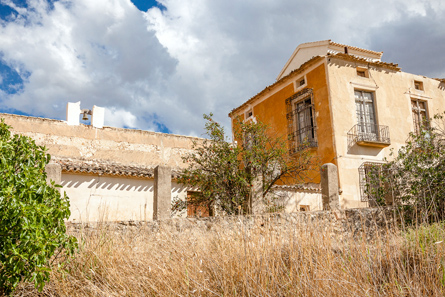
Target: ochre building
(346, 106)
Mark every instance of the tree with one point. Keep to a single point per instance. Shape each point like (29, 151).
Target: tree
(415, 178)
(32, 228)
(225, 173)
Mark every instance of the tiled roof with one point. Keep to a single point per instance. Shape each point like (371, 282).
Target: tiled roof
(347, 57)
(107, 168)
(355, 48)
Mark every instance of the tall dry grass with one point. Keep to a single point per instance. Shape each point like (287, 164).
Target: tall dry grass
(268, 260)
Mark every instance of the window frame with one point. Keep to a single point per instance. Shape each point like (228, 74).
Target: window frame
(420, 84)
(362, 70)
(297, 83)
(301, 104)
(248, 114)
(366, 126)
(417, 125)
(365, 171)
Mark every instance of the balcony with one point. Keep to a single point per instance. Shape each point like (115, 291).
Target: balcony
(369, 135)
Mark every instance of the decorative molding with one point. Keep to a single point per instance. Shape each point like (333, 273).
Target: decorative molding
(418, 96)
(364, 86)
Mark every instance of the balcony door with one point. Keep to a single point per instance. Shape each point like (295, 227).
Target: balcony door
(364, 106)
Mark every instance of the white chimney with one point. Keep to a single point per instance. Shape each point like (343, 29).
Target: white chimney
(98, 116)
(72, 113)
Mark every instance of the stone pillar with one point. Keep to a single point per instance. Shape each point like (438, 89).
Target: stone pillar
(329, 187)
(162, 198)
(258, 205)
(53, 172)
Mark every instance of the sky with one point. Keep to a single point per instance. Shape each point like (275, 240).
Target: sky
(160, 65)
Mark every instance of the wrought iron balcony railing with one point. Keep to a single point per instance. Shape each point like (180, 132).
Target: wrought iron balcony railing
(369, 135)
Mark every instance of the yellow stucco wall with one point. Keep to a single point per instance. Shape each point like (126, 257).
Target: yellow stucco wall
(270, 108)
(108, 144)
(392, 91)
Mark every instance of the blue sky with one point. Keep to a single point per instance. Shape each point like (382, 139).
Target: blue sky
(159, 65)
(144, 5)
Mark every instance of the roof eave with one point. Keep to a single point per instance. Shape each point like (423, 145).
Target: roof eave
(304, 66)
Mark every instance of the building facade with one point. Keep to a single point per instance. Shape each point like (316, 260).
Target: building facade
(346, 106)
(108, 173)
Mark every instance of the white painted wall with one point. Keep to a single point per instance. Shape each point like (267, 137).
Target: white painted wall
(291, 200)
(106, 198)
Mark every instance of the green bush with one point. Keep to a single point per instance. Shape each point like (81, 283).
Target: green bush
(225, 172)
(415, 178)
(32, 228)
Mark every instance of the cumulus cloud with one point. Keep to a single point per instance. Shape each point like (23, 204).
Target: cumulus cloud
(98, 51)
(416, 41)
(119, 118)
(162, 69)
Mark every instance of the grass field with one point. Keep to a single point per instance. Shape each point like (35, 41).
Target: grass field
(266, 260)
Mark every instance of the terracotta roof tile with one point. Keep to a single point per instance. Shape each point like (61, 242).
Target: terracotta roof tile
(299, 187)
(107, 168)
(347, 57)
(355, 48)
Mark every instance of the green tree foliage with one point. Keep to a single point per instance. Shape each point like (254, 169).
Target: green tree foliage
(32, 228)
(225, 173)
(415, 178)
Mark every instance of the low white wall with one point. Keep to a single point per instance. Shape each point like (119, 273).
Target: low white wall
(107, 198)
(291, 200)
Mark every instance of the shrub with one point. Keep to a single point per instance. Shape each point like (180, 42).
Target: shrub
(225, 173)
(32, 227)
(415, 178)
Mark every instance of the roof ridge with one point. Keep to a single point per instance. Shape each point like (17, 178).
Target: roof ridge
(354, 47)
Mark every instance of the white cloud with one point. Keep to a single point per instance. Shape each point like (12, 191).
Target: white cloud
(119, 118)
(98, 51)
(169, 67)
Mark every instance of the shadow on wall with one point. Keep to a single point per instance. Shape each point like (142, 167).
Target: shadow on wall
(363, 150)
(106, 183)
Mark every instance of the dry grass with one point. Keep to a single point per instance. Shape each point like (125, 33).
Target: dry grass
(262, 261)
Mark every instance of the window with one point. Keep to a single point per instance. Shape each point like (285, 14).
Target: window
(362, 72)
(304, 120)
(420, 115)
(301, 121)
(367, 132)
(249, 113)
(369, 174)
(418, 85)
(197, 206)
(304, 207)
(302, 82)
(364, 106)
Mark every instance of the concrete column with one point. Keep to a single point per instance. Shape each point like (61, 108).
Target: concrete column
(53, 172)
(329, 186)
(162, 193)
